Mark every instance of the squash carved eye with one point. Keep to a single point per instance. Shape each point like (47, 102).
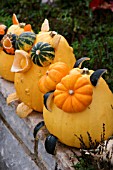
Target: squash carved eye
(73, 93)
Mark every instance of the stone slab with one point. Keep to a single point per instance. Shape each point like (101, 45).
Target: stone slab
(12, 155)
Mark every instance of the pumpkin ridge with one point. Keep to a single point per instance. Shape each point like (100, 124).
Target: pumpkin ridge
(53, 73)
(67, 105)
(77, 105)
(50, 83)
(43, 88)
(61, 86)
(88, 97)
(82, 81)
(87, 89)
(59, 99)
(57, 92)
(69, 81)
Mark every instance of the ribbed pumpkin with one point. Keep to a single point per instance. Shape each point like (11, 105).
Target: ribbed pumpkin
(26, 83)
(7, 56)
(53, 76)
(82, 104)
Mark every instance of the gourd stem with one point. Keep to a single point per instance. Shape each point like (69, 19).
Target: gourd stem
(96, 75)
(47, 100)
(85, 71)
(80, 61)
(37, 52)
(38, 127)
(45, 26)
(15, 20)
(71, 92)
(50, 144)
(53, 33)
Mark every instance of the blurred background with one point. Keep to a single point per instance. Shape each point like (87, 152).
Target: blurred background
(86, 24)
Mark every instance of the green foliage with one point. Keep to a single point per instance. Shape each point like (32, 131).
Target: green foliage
(89, 33)
(5, 18)
(86, 162)
(92, 159)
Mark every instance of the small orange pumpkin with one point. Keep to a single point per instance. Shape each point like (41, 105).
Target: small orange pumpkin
(53, 76)
(73, 93)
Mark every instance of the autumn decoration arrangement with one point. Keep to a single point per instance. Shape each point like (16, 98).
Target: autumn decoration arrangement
(8, 45)
(75, 102)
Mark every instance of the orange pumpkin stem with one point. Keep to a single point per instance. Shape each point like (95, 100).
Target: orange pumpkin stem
(71, 92)
(15, 20)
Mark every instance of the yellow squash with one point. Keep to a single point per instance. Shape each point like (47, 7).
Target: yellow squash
(82, 104)
(26, 80)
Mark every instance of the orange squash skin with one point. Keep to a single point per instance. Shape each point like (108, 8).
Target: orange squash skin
(6, 61)
(28, 91)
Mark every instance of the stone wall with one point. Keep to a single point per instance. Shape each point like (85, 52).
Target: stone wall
(17, 151)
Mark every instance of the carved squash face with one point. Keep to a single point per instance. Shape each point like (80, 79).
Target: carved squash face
(42, 55)
(7, 51)
(81, 104)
